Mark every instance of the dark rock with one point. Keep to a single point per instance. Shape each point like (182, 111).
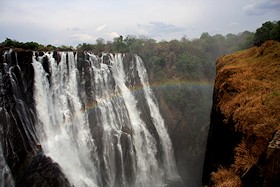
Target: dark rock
(106, 59)
(56, 56)
(41, 53)
(129, 163)
(42, 171)
(271, 178)
(222, 140)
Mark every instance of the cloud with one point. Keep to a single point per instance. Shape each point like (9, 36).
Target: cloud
(156, 28)
(233, 24)
(261, 7)
(100, 27)
(75, 29)
(113, 34)
(268, 4)
(47, 22)
(82, 37)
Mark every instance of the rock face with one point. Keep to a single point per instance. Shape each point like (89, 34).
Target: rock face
(243, 141)
(21, 149)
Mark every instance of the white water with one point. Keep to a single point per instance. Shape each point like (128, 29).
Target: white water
(148, 171)
(64, 133)
(168, 157)
(107, 100)
(121, 151)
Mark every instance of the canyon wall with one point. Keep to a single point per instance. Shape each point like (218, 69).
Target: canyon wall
(243, 142)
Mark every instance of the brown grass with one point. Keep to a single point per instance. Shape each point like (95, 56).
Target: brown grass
(244, 159)
(248, 85)
(225, 178)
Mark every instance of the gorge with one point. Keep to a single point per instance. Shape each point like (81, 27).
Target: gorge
(77, 118)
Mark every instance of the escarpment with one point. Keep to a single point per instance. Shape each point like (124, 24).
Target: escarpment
(243, 142)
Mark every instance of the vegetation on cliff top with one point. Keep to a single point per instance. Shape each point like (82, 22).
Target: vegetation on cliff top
(248, 84)
(268, 31)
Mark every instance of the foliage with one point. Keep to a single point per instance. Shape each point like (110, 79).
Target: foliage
(268, 31)
(199, 54)
(34, 46)
(28, 45)
(85, 47)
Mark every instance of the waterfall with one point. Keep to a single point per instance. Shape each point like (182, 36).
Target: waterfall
(168, 157)
(64, 132)
(148, 171)
(100, 121)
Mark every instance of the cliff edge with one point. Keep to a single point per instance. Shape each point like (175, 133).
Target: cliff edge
(244, 136)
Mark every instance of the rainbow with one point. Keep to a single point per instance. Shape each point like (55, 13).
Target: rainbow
(177, 83)
(169, 84)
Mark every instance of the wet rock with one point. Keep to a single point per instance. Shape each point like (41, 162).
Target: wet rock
(129, 163)
(42, 171)
(56, 56)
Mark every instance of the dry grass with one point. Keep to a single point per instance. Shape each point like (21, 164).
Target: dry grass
(244, 159)
(225, 178)
(248, 85)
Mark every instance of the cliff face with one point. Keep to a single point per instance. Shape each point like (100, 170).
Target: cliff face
(245, 119)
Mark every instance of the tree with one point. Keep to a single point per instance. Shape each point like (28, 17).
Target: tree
(263, 33)
(119, 45)
(28, 45)
(8, 43)
(84, 47)
(275, 32)
(100, 45)
(130, 42)
(31, 45)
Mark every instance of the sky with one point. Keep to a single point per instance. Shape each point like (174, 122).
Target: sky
(71, 22)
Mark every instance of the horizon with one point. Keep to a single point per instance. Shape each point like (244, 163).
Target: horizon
(75, 22)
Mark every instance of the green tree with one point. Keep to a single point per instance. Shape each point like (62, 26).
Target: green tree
(16, 44)
(119, 45)
(190, 65)
(130, 42)
(100, 45)
(263, 33)
(31, 45)
(84, 47)
(8, 43)
(275, 32)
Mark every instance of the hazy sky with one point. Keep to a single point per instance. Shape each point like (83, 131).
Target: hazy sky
(71, 22)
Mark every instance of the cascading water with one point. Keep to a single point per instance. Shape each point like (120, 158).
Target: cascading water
(98, 125)
(64, 132)
(168, 157)
(148, 170)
